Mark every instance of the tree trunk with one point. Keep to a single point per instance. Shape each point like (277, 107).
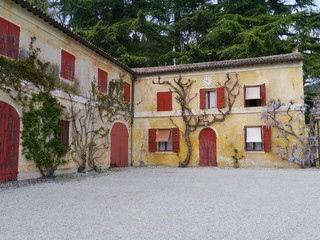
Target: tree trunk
(189, 146)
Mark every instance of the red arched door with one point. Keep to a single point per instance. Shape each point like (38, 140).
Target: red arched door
(9, 142)
(207, 148)
(119, 145)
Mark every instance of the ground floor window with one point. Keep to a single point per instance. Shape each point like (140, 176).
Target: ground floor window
(254, 139)
(164, 140)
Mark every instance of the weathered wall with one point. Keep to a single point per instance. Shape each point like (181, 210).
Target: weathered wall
(283, 81)
(51, 41)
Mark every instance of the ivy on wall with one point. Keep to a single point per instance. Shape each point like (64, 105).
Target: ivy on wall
(41, 133)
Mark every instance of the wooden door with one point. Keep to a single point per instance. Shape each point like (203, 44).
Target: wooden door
(119, 145)
(207, 148)
(9, 142)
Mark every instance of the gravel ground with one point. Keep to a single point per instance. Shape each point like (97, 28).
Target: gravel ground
(166, 203)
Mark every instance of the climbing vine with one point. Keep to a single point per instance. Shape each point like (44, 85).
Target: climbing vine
(29, 82)
(41, 133)
(19, 77)
(89, 122)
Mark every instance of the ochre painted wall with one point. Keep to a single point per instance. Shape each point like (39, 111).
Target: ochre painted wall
(283, 81)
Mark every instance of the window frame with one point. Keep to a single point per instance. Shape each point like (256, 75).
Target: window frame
(168, 145)
(153, 145)
(207, 98)
(257, 102)
(254, 143)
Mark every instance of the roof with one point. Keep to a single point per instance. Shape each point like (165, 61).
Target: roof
(67, 31)
(284, 58)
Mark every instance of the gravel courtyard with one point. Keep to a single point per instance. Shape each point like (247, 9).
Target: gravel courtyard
(167, 203)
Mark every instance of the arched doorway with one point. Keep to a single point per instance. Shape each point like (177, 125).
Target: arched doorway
(9, 142)
(207, 148)
(119, 145)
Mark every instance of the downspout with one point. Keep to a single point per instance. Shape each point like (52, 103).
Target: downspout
(133, 79)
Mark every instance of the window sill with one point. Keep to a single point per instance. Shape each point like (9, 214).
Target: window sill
(252, 152)
(164, 153)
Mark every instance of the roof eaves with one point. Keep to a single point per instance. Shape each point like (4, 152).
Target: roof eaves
(292, 57)
(64, 29)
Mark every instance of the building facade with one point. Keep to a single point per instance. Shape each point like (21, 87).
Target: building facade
(152, 138)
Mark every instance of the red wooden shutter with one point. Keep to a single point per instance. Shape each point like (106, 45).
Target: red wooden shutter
(102, 80)
(67, 65)
(263, 95)
(266, 131)
(64, 67)
(168, 101)
(127, 89)
(72, 61)
(220, 97)
(13, 41)
(3, 36)
(175, 140)
(202, 98)
(152, 140)
(164, 101)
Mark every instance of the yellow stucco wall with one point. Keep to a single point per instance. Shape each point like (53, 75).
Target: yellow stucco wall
(51, 41)
(283, 81)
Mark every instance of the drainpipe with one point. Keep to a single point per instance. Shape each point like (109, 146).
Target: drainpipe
(133, 79)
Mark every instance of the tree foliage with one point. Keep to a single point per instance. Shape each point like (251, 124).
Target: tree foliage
(29, 82)
(41, 133)
(144, 33)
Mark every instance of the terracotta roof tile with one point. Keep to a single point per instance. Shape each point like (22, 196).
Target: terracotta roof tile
(292, 57)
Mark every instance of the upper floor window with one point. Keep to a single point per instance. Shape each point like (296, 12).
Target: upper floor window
(258, 138)
(9, 39)
(255, 96)
(212, 98)
(67, 65)
(164, 140)
(102, 80)
(127, 91)
(164, 101)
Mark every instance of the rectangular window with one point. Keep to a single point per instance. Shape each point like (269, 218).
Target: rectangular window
(164, 101)
(9, 39)
(211, 99)
(64, 133)
(253, 139)
(102, 80)
(255, 96)
(258, 138)
(164, 140)
(67, 65)
(127, 90)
